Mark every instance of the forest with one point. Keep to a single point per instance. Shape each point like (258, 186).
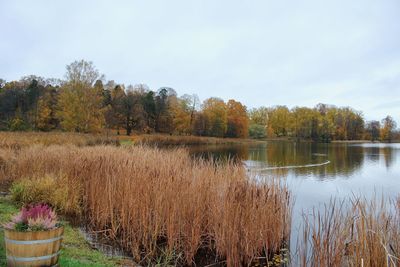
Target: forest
(85, 102)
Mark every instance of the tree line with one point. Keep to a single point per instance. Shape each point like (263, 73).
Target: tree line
(323, 123)
(84, 102)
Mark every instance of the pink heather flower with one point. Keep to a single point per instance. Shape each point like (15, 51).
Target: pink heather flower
(18, 218)
(41, 223)
(10, 225)
(37, 217)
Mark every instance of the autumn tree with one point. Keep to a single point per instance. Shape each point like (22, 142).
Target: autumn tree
(181, 112)
(325, 123)
(355, 127)
(373, 129)
(200, 124)
(215, 111)
(303, 122)
(114, 114)
(80, 103)
(133, 111)
(259, 116)
(46, 110)
(256, 131)
(32, 94)
(237, 120)
(163, 101)
(192, 102)
(387, 130)
(279, 120)
(149, 106)
(21, 103)
(258, 120)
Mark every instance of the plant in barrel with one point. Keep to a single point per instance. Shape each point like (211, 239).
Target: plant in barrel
(33, 237)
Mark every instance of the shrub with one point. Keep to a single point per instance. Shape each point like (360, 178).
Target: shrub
(57, 191)
(256, 131)
(18, 124)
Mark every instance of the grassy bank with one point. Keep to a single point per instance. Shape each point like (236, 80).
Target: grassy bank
(76, 251)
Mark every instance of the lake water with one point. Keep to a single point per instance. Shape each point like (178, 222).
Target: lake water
(316, 173)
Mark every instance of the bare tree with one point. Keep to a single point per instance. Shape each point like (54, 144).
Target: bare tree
(83, 72)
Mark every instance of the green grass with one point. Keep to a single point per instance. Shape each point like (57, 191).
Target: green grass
(6, 210)
(76, 251)
(126, 142)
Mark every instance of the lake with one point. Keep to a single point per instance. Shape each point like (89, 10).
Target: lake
(316, 173)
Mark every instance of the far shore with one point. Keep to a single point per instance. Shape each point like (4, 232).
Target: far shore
(167, 139)
(172, 139)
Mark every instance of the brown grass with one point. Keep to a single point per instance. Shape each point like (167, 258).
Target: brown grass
(17, 140)
(152, 201)
(175, 140)
(363, 233)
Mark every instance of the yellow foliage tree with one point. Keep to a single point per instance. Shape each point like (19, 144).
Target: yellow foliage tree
(181, 114)
(215, 111)
(388, 125)
(43, 115)
(279, 121)
(80, 103)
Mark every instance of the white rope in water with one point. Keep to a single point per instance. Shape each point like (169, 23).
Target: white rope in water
(290, 167)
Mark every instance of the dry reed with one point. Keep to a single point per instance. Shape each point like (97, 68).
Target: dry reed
(151, 200)
(352, 233)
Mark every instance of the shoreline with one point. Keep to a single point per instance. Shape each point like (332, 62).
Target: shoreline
(166, 139)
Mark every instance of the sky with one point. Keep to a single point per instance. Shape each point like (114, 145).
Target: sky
(262, 53)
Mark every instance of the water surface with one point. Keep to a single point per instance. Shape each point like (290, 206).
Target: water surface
(316, 172)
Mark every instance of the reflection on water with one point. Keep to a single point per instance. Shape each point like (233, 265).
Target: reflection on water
(344, 159)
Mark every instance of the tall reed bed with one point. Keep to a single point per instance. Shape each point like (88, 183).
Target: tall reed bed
(153, 201)
(356, 232)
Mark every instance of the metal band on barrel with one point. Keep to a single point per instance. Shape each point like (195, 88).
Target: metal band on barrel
(32, 242)
(27, 259)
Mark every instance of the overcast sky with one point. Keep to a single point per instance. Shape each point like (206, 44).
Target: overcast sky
(294, 53)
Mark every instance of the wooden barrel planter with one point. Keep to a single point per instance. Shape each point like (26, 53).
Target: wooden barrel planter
(40, 248)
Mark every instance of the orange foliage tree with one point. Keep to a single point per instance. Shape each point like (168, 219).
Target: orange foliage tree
(238, 121)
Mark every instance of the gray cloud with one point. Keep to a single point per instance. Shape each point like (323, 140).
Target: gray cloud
(259, 52)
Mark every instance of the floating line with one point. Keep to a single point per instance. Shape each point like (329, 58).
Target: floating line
(292, 167)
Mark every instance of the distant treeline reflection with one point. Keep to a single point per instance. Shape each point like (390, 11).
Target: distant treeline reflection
(344, 159)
